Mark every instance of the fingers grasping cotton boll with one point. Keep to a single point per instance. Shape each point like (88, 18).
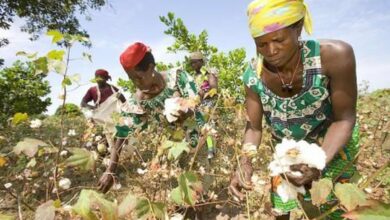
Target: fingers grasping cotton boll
(290, 152)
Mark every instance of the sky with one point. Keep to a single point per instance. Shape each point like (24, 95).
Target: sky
(362, 23)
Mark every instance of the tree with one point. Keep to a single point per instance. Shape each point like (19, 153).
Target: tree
(230, 65)
(71, 110)
(46, 14)
(21, 90)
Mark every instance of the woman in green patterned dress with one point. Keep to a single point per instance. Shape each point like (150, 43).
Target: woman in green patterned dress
(153, 88)
(305, 90)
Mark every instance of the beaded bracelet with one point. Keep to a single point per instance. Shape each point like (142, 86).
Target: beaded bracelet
(249, 149)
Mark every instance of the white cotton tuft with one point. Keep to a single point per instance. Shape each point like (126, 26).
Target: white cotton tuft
(71, 132)
(64, 183)
(290, 152)
(36, 123)
(171, 108)
(287, 191)
(142, 171)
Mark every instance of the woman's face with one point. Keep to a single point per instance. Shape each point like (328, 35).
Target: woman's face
(143, 80)
(196, 64)
(278, 47)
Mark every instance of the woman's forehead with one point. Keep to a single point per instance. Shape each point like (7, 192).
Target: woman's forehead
(285, 32)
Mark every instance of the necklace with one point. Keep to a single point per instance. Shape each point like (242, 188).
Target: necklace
(288, 86)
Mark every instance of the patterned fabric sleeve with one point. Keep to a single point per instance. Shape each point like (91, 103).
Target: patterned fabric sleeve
(130, 118)
(188, 88)
(251, 80)
(186, 85)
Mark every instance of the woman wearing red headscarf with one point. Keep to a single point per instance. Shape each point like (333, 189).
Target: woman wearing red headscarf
(100, 93)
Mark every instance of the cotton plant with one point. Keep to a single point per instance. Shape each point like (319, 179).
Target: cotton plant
(173, 106)
(290, 152)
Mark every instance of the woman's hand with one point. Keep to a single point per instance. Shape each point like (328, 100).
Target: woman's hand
(182, 116)
(241, 180)
(309, 174)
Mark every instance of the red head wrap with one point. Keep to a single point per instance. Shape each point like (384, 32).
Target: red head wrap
(133, 55)
(102, 73)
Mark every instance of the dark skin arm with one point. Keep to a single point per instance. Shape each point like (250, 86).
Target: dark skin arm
(86, 105)
(338, 63)
(252, 135)
(213, 81)
(122, 98)
(107, 179)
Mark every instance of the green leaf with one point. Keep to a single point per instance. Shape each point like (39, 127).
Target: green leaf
(56, 55)
(56, 35)
(7, 217)
(90, 199)
(75, 77)
(376, 210)
(28, 55)
(146, 209)
(176, 196)
(41, 66)
(19, 117)
(57, 66)
(142, 208)
(179, 134)
(28, 146)
(82, 158)
(46, 211)
(31, 163)
(187, 191)
(175, 148)
(350, 195)
(159, 210)
(66, 82)
(21, 53)
(127, 205)
(320, 191)
(79, 38)
(87, 56)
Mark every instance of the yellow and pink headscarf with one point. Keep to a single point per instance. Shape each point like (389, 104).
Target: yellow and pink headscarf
(266, 16)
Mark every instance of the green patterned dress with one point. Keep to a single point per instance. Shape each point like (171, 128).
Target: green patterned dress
(304, 116)
(136, 114)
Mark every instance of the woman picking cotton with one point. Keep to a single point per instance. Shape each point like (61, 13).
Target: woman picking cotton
(305, 90)
(163, 98)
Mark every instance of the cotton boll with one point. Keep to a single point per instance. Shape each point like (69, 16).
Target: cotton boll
(296, 173)
(287, 191)
(313, 156)
(142, 171)
(276, 168)
(101, 148)
(177, 216)
(8, 185)
(290, 152)
(36, 123)
(171, 108)
(64, 183)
